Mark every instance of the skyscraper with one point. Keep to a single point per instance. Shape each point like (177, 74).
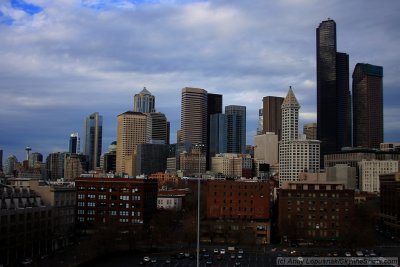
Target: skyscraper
(93, 128)
(236, 129)
(333, 96)
(194, 116)
(131, 131)
(218, 131)
(295, 154)
(367, 106)
(272, 115)
(1, 160)
(144, 102)
(158, 128)
(214, 106)
(74, 143)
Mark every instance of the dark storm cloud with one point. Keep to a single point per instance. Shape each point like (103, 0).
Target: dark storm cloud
(72, 58)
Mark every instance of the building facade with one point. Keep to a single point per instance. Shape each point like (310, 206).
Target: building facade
(367, 106)
(369, 171)
(296, 154)
(314, 211)
(93, 128)
(62, 198)
(390, 203)
(74, 144)
(238, 206)
(232, 165)
(236, 129)
(120, 201)
(151, 158)
(310, 130)
(131, 131)
(144, 102)
(194, 116)
(272, 115)
(26, 225)
(333, 96)
(158, 128)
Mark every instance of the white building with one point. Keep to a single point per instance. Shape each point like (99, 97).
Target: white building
(369, 171)
(171, 199)
(296, 154)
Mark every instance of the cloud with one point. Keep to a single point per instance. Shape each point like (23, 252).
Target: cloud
(72, 57)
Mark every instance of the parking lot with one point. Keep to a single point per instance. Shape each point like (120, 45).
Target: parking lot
(249, 258)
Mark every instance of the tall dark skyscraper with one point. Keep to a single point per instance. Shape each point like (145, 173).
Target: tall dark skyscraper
(272, 115)
(214, 106)
(74, 143)
(333, 96)
(93, 139)
(1, 160)
(367, 106)
(236, 129)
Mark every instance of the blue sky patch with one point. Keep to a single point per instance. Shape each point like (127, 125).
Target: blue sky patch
(27, 7)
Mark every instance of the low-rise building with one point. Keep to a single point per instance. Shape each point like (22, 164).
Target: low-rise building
(232, 165)
(171, 199)
(25, 225)
(113, 200)
(369, 171)
(62, 198)
(235, 207)
(314, 211)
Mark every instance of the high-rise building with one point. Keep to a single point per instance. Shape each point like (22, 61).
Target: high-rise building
(151, 158)
(260, 122)
(157, 127)
(296, 154)
(333, 97)
(93, 139)
(1, 160)
(214, 106)
(55, 165)
(194, 116)
(144, 102)
(367, 106)
(10, 165)
(74, 166)
(74, 143)
(310, 130)
(236, 129)
(272, 115)
(131, 131)
(217, 134)
(34, 158)
(110, 158)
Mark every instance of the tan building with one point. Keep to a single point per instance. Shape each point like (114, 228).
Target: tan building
(61, 197)
(310, 130)
(131, 131)
(194, 116)
(266, 148)
(230, 164)
(192, 163)
(74, 166)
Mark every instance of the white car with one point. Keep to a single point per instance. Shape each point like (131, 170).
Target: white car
(222, 251)
(146, 259)
(347, 254)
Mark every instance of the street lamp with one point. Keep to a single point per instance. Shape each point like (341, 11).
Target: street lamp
(199, 146)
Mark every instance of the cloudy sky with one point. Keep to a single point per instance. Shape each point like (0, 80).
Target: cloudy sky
(63, 60)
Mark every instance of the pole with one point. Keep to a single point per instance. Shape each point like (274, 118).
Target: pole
(198, 214)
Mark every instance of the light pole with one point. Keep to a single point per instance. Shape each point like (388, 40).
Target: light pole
(199, 146)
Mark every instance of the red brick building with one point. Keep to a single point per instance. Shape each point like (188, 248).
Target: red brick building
(165, 178)
(115, 200)
(241, 206)
(314, 211)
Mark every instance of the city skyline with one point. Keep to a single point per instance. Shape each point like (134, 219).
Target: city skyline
(62, 61)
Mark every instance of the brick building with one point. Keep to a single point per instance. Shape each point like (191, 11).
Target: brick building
(314, 211)
(235, 207)
(111, 200)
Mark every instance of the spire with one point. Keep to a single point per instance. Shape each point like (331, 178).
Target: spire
(145, 91)
(290, 100)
